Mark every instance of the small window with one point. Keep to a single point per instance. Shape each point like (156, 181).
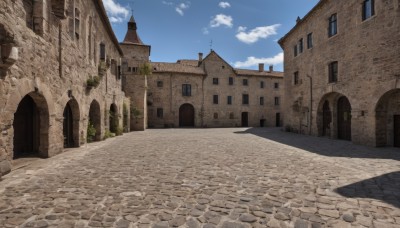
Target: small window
(229, 100)
(333, 72)
(245, 99)
(223, 67)
(245, 82)
(160, 113)
(301, 45)
(129, 69)
(368, 9)
(261, 100)
(295, 50)
(215, 115)
(160, 84)
(134, 69)
(332, 25)
(309, 41)
(215, 81)
(186, 90)
(277, 101)
(102, 52)
(231, 116)
(262, 84)
(276, 85)
(230, 81)
(296, 78)
(215, 99)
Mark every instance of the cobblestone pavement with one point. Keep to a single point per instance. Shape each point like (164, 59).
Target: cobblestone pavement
(227, 178)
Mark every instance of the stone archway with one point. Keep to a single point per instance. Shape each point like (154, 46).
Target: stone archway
(334, 116)
(186, 115)
(31, 127)
(71, 124)
(113, 119)
(387, 114)
(95, 120)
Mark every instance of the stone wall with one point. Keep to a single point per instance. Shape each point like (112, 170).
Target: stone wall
(367, 56)
(58, 51)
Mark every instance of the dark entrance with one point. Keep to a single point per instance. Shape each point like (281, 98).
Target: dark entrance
(68, 127)
(262, 122)
(245, 119)
(186, 115)
(396, 132)
(326, 119)
(344, 118)
(95, 121)
(26, 129)
(113, 118)
(278, 119)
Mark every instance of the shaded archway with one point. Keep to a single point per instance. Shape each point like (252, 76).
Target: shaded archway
(94, 121)
(113, 118)
(326, 119)
(31, 127)
(387, 114)
(71, 124)
(344, 118)
(186, 115)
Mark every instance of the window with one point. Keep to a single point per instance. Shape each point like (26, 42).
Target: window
(223, 67)
(261, 100)
(231, 116)
(229, 100)
(245, 82)
(215, 99)
(119, 72)
(309, 41)
(102, 51)
(230, 81)
(215, 115)
(276, 85)
(333, 72)
(186, 90)
(368, 9)
(215, 81)
(296, 78)
(77, 23)
(161, 84)
(277, 101)
(129, 69)
(245, 99)
(295, 50)
(301, 45)
(262, 84)
(160, 113)
(134, 69)
(332, 25)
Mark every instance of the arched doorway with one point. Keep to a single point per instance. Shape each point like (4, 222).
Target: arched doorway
(387, 114)
(326, 119)
(71, 124)
(113, 118)
(31, 127)
(344, 118)
(94, 122)
(186, 115)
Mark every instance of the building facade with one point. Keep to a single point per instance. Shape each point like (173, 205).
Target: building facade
(59, 75)
(210, 93)
(342, 72)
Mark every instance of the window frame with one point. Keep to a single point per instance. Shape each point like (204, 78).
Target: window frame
(333, 25)
(368, 14)
(261, 101)
(215, 81)
(215, 99)
(310, 40)
(160, 113)
(245, 82)
(186, 90)
(262, 84)
(296, 78)
(245, 99)
(295, 51)
(277, 101)
(229, 100)
(301, 45)
(230, 80)
(276, 85)
(160, 84)
(333, 68)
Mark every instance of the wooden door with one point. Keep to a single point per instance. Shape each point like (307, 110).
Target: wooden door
(396, 129)
(245, 119)
(68, 127)
(186, 115)
(326, 119)
(344, 119)
(278, 119)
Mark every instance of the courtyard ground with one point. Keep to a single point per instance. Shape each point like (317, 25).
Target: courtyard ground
(229, 178)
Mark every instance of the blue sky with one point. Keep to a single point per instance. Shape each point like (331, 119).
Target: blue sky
(244, 33)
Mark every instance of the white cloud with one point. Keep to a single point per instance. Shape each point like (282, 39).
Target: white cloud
(205, 31)
(253, 61)
(255, 34)
(181, 7)
(167, 3)
(115, 11)
(221, 19)
(224, 5)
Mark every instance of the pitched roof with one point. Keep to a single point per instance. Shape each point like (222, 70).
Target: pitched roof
(189, 62)
(244, 72)
(131, 35)
(176, 68)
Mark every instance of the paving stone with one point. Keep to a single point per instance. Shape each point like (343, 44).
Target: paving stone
(301, 224)
(247, 218)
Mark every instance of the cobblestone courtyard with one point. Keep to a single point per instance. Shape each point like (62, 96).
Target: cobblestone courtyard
(230, 178)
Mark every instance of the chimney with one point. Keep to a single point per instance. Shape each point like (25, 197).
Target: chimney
(271, 68)
(298, 20)
(200, 57)
(261, 67)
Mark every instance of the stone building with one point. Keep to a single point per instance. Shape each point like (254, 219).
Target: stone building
(59, 70)
(210, 93)
(342, 72)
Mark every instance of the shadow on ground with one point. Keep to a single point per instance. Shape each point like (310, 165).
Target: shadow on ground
(324, 146)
